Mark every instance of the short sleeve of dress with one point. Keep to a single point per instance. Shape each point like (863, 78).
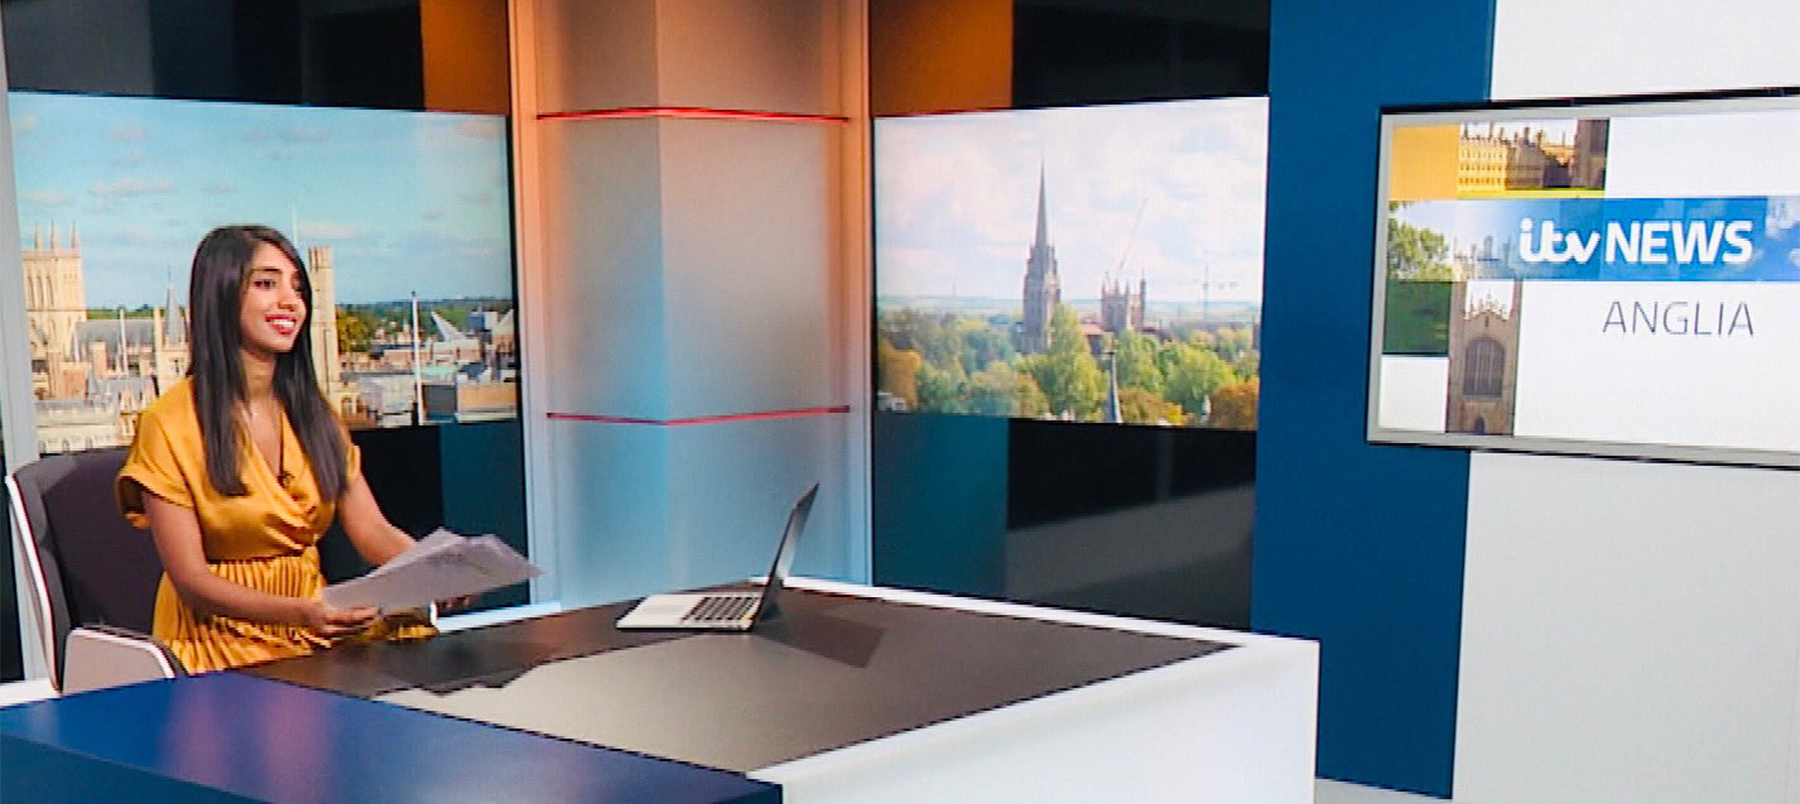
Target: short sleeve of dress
(153, 466)
(352, 461)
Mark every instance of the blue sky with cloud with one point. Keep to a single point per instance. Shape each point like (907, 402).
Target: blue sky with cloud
(956, 199)
(408, 201)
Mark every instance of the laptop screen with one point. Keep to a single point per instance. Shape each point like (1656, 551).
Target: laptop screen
(784, 557)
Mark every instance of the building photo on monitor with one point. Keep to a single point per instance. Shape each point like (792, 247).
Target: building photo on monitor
(402, 219)
(1085, 264)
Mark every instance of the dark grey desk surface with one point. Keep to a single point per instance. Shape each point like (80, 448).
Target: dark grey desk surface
(833, 671)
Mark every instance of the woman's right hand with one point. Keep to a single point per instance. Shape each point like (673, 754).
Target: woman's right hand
(334, 622)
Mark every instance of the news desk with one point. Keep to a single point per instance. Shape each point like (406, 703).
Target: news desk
(854, 694)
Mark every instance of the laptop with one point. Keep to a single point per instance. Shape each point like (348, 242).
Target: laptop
(726, 611)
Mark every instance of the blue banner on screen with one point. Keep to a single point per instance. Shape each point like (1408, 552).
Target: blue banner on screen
(1742, 239)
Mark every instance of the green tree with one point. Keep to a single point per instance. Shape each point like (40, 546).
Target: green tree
(1193, 374)
(1248, 364)
(1232, 341)
(1028, 399)
(942, 391)
(993, 390)
(1068, 375)
(355, 330)
(1415, 253)
(1136, 353)
(924, 333)
(981, 343)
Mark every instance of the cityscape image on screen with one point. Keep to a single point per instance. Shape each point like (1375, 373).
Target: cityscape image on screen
(402, 219)
(1095, 264)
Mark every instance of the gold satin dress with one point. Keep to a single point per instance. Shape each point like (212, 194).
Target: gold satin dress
(266, 540)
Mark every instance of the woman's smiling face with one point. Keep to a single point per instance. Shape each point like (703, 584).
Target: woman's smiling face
(272, 307)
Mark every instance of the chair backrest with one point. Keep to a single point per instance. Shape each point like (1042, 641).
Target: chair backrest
(92, 566)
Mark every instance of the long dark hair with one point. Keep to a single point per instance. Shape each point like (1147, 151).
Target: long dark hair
(215, 298)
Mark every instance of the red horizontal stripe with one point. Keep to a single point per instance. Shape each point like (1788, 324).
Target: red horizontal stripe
(727, 417)
(692, 113)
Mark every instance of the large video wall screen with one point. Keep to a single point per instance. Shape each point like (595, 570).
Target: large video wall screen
(1611, 279)
(402, 217)
(1093, 264)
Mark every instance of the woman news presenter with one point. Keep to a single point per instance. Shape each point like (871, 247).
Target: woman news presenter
(240, 467)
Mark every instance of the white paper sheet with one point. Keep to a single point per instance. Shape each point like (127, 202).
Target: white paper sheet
(440, 566)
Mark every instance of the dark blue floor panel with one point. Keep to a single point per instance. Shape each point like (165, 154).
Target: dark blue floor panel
(226, 737)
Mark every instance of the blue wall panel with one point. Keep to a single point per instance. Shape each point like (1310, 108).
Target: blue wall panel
(1358, 546)
(940, 502)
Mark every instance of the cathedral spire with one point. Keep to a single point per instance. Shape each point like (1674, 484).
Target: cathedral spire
(1042, 288)
(1043, 224)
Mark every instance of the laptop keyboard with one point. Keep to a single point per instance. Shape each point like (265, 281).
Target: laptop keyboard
(720, 608)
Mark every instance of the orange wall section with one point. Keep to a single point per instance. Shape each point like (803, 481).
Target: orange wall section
(463, 40)
(939, 55)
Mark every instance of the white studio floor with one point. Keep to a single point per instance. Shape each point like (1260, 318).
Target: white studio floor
(1333, 792)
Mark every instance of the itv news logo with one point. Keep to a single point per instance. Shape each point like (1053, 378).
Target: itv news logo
(1651, 242)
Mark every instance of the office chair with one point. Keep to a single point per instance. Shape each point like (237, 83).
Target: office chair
(90, 576)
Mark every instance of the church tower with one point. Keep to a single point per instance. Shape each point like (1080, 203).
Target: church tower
(1043, 289)
(1120, 309)
(1484, 362)
(55, 303)
(324, 319)
(55, 294)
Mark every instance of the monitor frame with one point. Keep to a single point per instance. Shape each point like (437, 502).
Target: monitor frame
(1392, 117)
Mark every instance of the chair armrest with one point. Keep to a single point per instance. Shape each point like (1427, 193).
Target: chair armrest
(99, 656)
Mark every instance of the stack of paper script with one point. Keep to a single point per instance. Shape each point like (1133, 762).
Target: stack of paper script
(440, 566)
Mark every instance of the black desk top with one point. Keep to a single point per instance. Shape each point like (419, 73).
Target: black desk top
(491, 655)
(833, 671)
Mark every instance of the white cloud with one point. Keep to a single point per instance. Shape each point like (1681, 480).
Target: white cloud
(46, 198)
(1784, 214)
(1794, 257)
(25, 124)
(955, 185)
(131, 187)
(305, 133)
(328, 230)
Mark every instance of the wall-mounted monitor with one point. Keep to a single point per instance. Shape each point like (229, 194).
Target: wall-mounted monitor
(1591, 278)
(403, 218)
(1098, 264)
